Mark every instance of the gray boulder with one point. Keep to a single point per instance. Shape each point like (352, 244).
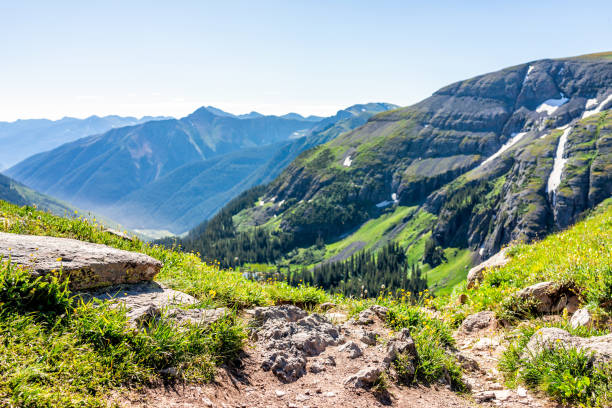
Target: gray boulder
(87, 265)
(367, 337)
(479, 321)
(352, 349)
(582, 317)
(550, 297)
(364, 377)
(402, 344)
(369, 315)
(476, 274)
(552, 337)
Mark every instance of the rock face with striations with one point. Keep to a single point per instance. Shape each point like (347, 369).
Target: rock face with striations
(87, 265)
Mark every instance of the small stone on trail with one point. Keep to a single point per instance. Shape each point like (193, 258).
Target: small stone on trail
(364, 377)
(485, 343)
(479, 321)
(352, 349)
(280, 393)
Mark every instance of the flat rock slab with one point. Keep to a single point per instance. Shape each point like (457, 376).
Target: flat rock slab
(150, 299)
(88, 265)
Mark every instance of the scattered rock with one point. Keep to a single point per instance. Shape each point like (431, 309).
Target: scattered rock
(88, 265)
(402, 343)
(485, 343)
(476, 274)
(550, 297)
(316, 367)
(368, 337)
(367, 316)
(479, 321)
(502, 395)
(550, 337)
(207, 402)
(352, 349)
(286, 313)
(329, 394)
(521, 392)
(364, 377)
(496, 386)
(327, 306)
(581, 318)
(302, 397)
(329, 361)
(289, 335)
(147, 300)
(280, 393)
(336, 317)
(467, 362)
(484, 396)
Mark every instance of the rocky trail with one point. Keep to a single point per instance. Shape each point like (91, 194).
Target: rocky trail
(300, 360)
(294, 358)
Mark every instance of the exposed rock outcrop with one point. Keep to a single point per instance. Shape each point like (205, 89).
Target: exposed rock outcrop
(550, 297)
(87, 265)
(479, 321)
(476, 274)
(147, 301)
(582, 317)
(289, 335)
(552, 337)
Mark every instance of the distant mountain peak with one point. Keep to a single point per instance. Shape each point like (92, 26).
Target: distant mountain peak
(251, 115)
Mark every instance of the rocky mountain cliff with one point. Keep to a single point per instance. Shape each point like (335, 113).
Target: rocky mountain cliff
(509, 155)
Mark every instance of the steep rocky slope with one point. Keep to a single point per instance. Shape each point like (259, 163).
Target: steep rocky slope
(513, 154)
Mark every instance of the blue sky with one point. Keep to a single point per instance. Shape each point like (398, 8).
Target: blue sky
(66, 58)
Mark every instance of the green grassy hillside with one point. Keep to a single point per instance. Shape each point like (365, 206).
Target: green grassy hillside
(54, 352)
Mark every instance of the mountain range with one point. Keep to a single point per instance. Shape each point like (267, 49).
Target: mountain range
(503, 157)
(171, 174)
(25, 137)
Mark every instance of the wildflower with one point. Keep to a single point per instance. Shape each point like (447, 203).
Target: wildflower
(59, 259)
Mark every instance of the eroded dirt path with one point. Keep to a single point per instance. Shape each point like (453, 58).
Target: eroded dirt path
(325, 379)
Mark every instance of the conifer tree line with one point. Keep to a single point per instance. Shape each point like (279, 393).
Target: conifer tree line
(365, 274)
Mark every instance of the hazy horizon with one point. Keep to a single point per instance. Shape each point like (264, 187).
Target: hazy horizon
(139, 59)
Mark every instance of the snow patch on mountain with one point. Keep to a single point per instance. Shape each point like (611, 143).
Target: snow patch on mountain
(551, 105)
(555, 175)
(598, 109)
(514, 138)
(527, 75)
(347, 161)
(590, 103)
